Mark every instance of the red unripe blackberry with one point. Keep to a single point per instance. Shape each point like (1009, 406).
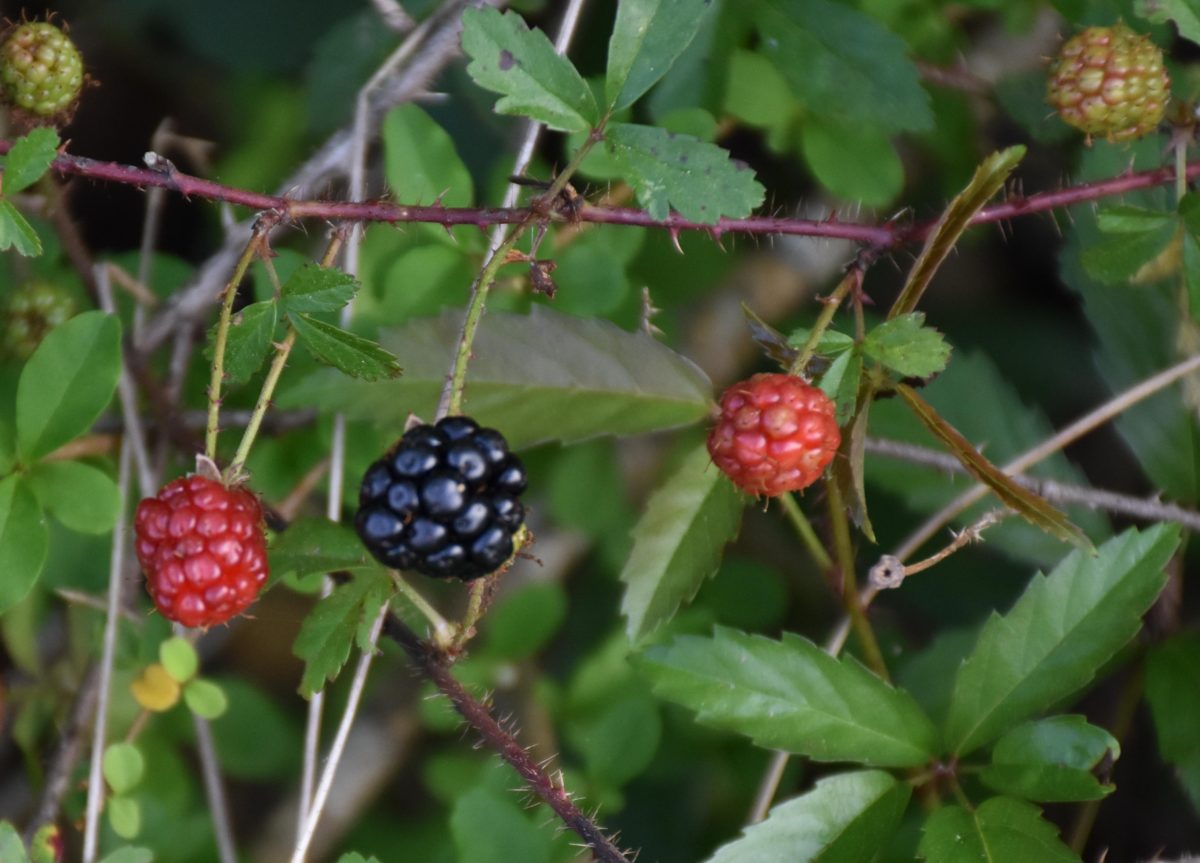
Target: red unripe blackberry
(202, 547)
(775, 434)
(1109, 81)
(443, 501)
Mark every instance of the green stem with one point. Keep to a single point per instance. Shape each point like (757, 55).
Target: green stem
(852, 278)
(222, 336)
(845, 562)
(282, 350)
(487, 276)
(805, 531)
(443, 632)
(1180, 148)
(475, 606)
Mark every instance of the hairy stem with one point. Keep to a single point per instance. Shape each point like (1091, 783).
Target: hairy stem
(851, 282)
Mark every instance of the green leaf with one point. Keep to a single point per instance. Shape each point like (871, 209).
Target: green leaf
(1134, 238)
(248, 341)
(1051, 761)
(17, 233)
(509, 58)
(1184, 13)
(647, 38)
(1001, 830)
(23, 540)
(420, 161)
(1173, 693)
(854, 162)
(906, 346)
(81, 497)
(338, 621)
(130, 855)
(793, 696)
(758, 94)
(123, 767)
(29, 159)
(842, 63)
(317, 546)
(1060, 632)
(67, 383)
(205, 699)
(124, 816)
(490, 827)
(831, 342)
(1032, 507)
(350, 354)
(523, 620)
(988, 180)
(313, 288)
(678, 542)
(355, 857)
(256, 739)
(12, 849)
(696, 178)
(845, 818)
(591, 376)
(841, 382)
(179, 658)
(617, 739)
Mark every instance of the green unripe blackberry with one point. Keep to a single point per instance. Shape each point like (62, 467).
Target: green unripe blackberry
(41, 70)
(1109, 81)
(31, 311)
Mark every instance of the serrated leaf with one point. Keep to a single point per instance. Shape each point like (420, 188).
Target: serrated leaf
(849, 472)
(67, 382)
(521, 64)
(1131, 248)
(843, 63)
(647, 38)
(355, 857)
(793, 696)
(17, 233)
(23, 540)
(317, 546)
(988, 180)
(205, 699)
(251, 333)
(29, 159)
(831, 342)
(841, 381)
(906, 346)
(1184, 13)
(83, 498)
(591, 376)
(678, 542)
(845, 818)
(1051, 761)
(337, 622)
(420, 160)
(350, 354)
(1173, 693)
(1001, 830)
(123, 767)
(1030, 506)
(698, 179)
(313, 288)
(1060, 632)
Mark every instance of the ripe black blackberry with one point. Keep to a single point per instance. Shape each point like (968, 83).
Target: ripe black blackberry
(443, 501)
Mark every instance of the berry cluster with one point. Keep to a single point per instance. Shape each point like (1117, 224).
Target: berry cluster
(41, 70)
(202, 548)
(775, 434)
(32, 311)
(1109, 81)
(443, 501)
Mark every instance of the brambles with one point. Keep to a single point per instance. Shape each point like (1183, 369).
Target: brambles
(443, 501)
(775, 434)
(1109, 81)
(41, 70)
(32, 311)
(202, 548)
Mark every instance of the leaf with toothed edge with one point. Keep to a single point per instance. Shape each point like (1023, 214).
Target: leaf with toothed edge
(339, 621)
(646, 39)
(509, 58)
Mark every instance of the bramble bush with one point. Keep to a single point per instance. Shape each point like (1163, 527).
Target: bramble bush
(956, 627)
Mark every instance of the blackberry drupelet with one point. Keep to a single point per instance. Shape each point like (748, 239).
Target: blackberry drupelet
(443, 501)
